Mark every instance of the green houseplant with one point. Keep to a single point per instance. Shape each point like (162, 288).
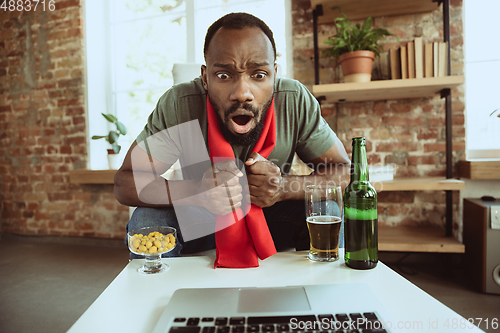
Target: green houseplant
(354, 42)
(112, 137)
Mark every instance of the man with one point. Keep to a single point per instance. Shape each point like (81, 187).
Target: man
(238, 85)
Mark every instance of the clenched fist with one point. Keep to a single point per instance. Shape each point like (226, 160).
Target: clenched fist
(264, 181)
(221, 189)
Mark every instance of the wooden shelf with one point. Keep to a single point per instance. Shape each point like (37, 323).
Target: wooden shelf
(417, 239)
(420, 184)
(92, 176)
(361, 9)
(386, 89)
(480, 169)
(404, 184)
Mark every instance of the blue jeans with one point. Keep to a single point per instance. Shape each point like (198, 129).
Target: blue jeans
(286, 221)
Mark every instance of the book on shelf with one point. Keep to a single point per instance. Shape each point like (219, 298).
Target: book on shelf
(443, 59)
(410, 50)
(428, 63)
(395, 64)
(416, 60)
(435, 59)
(404, 62)
(419, 57)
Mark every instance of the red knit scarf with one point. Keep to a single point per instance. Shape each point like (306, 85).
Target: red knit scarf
(241, 240)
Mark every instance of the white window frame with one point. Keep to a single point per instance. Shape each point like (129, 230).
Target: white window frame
(99, 74)
(474, 41)
(98, 79)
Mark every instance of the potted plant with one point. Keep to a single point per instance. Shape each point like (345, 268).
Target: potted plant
(112, 139)
(354, 47)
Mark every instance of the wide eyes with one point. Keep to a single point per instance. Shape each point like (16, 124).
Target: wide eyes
(259, 75)
(256, 76)
(222, 76)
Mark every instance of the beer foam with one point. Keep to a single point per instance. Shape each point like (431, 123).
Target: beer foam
(324, 219)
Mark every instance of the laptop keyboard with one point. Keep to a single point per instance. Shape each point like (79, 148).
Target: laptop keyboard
(367, 322)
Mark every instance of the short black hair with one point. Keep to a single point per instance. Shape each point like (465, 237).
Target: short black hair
(237, 21)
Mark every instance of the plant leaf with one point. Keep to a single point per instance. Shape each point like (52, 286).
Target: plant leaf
(113, 137)
(109, 117)
(97, 137)
(121, 128)
(367, 24)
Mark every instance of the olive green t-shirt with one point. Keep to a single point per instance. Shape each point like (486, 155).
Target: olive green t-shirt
(299, 127)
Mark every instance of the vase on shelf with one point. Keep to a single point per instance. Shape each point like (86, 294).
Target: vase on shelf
(114, 160)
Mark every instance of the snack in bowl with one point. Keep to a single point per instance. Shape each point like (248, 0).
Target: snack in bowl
(154, 242)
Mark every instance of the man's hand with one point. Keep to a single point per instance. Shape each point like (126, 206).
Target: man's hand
(222, 192)
(264, 181)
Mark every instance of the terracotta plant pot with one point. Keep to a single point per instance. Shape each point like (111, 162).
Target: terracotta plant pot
(357, 66)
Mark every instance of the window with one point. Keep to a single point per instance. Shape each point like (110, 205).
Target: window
(482, 72)
(132, 45)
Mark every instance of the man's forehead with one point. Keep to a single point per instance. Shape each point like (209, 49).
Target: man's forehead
(252, 40)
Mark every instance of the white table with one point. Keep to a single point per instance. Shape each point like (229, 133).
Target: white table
(134, 302)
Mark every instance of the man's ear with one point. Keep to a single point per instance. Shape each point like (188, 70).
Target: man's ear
(204, 76)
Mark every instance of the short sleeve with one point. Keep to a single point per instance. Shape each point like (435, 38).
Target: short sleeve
(155, 138)
(157, 120)
(173, 131)
(315, 135)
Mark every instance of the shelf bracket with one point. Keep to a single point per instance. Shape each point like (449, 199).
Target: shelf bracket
(446, 94)
(318, 11)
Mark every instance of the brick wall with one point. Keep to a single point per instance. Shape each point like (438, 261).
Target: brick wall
(43, 130)
(408, 133)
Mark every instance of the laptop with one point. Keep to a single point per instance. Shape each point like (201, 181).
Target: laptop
(321, 308)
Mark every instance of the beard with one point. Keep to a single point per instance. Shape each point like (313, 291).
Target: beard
(247, 139)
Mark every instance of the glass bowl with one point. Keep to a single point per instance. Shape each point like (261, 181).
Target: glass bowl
(152, 242)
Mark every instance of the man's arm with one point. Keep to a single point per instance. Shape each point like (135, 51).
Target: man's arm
(139, 183)
(131, 180)
(267, 186)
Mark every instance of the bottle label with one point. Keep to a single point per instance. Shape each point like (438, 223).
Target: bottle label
(352, 213)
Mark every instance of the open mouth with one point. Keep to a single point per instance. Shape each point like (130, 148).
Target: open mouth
(242, 123)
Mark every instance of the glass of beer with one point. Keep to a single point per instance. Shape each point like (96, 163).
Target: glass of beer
(324, 218)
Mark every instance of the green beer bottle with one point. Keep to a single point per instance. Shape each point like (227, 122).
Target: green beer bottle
(360, 213)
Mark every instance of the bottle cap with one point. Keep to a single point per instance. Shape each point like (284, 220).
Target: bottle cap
(359, 141)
